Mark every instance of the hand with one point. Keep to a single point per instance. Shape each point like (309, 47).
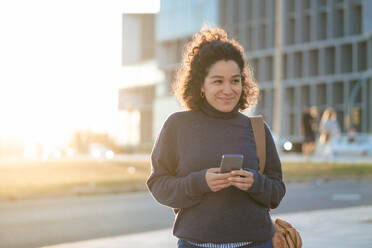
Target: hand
(217, 181)
(241, 179)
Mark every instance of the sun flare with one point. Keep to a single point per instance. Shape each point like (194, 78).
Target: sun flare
(61, 66)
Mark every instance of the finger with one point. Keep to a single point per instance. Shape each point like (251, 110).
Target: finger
(241, 173)
(242, 186)
(219, 182)
(221, 176)
(222, 186)
(214, 170)
(240, 179)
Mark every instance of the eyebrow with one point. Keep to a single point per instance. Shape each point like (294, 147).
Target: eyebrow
(218, 76)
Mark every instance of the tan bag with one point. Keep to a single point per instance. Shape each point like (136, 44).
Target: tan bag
(286, 236)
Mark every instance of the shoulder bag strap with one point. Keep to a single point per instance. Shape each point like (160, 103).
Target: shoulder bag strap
(258, 127)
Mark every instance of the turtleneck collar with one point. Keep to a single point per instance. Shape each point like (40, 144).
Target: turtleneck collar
(211, 111)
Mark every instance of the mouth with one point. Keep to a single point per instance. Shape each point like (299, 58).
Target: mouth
(226, 99)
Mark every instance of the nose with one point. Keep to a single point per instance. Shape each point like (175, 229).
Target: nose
(227, 89)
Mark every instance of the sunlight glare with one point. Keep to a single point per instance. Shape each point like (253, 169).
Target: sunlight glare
(61, 67)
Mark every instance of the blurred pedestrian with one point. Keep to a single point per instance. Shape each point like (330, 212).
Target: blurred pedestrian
(309, 120)
(329, 129)
(214, 209)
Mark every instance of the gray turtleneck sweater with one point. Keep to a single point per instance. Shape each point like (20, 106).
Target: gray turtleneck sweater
(191, 142)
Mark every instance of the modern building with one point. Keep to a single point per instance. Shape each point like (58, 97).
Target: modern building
(303, 52)
(141, 75)
(176, 22)
(325, 57)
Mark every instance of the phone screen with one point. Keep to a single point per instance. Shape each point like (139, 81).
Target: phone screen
(231, 162)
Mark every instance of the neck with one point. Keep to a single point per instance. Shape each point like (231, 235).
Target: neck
(213, 112)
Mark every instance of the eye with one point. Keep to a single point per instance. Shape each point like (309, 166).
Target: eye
(217, 81)
(236, 81)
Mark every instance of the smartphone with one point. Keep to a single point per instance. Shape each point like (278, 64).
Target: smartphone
(231, 162)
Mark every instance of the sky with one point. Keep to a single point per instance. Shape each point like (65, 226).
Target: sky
(60, 65)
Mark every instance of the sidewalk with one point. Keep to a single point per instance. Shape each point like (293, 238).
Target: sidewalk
(284, 157)
(341, 228)
(298, 157)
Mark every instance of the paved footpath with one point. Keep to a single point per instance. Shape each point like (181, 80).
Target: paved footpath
(339, 228)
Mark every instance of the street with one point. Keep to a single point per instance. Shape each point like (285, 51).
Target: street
(42, 222)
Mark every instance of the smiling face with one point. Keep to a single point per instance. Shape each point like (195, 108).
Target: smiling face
(222, 86)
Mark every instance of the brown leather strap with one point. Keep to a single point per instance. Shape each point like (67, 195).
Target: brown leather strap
(260, 138)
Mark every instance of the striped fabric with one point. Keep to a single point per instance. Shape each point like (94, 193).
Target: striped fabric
(212, 245)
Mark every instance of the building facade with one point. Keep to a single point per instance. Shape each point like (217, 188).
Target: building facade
(141, 75)
(176, 22)
(303, 53)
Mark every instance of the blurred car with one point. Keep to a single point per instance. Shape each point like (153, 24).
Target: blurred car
(356, 144)
(286, 145)
(282, 144)
(97, 150)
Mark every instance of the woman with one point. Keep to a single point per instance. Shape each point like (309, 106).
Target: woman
(215, 209)
(329, 129)
(309, 128)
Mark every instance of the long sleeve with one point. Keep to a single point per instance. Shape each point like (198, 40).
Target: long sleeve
(166, 188)
(191, 142)
(268, 188)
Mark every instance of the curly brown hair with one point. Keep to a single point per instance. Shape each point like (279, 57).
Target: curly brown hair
(206, 48)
